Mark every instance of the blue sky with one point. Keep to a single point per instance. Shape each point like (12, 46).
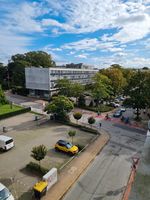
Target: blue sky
(94, 32)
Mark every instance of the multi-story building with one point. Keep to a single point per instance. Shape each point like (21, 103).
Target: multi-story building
(41, 82)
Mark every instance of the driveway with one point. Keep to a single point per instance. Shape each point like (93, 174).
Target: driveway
(107, 176)
(27, 134)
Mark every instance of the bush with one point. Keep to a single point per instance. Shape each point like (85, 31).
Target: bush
(36, 168)
(17, 112)
(80, 146)
(91, 120)
(77, 115)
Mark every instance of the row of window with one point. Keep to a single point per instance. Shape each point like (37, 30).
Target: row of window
(55, 72)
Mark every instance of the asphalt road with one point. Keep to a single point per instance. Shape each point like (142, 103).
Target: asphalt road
(107, 176)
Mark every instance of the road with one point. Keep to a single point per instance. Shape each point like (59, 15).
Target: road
(107, 176)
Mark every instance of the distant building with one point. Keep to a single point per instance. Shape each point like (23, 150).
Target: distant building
(41, 82)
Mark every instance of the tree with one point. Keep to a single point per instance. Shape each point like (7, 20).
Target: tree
(77, 89)
(136, 90)
(91, 120)
(39, 153)
(101, 87)
(3, 75)
(77, 116)
(81, 101)
(2, 97)
(64, 86)
(16, 68)
(118, 82)
(72, 133)
(35, 58)
(60, 106)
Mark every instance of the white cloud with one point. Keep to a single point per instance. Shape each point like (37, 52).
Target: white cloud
(81, 56)
(11, 44)
(82, 16)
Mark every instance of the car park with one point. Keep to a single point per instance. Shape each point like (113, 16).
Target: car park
(67, 147)
(117, 114)
(5, 193)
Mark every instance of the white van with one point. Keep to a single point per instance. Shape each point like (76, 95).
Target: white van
(6, 142)
(5, 193)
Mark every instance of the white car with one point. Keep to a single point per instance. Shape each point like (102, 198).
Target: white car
(5, 193)
(122, 109)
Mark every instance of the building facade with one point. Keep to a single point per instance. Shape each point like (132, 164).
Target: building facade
(41, 82)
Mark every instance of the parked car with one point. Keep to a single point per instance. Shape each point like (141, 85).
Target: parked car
(6, 142)
(117, 113)
(5, 193)
(115, 105)
(122, 109)
(67, 147)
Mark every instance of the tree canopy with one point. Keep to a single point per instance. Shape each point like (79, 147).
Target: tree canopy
(59, 106)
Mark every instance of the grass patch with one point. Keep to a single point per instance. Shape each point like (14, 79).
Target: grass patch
(8, 109)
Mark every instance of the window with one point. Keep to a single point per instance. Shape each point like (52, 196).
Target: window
(9, 141)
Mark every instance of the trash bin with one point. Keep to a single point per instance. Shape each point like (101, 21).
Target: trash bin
(40, 189)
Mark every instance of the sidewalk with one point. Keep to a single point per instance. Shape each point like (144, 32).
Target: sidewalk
(75, 168)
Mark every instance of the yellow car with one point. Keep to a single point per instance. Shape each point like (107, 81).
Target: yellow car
(67, 147)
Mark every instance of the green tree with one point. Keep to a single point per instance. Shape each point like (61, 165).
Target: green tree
(136, 90)
(35, 58)
(77, 116)
(81, 101)
(16, 68)
(71, 134)
(76, 90)
(2, 97)
(60, 106)
(3, 75)
(91, 120)
(64, 86)
(101, 87)
(39, 153)
(118, 81)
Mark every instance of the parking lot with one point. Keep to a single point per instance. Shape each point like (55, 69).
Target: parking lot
(27, 133)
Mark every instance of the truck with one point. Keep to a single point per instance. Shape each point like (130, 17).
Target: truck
(6, 142)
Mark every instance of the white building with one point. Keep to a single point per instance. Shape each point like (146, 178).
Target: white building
(41, 82)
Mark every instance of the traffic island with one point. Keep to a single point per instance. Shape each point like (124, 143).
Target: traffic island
(75, 168)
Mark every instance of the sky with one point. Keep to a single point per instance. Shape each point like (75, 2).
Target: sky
(95, 32)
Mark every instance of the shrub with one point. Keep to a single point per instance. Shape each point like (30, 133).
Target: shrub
(91, 120)
(80, 146)
(77, 115)
(36, 168)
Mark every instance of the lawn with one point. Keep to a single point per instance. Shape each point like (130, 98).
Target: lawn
(7, 108)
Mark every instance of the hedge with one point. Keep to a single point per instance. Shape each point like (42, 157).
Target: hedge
(17, 112)
(96, 109)
(81, 127)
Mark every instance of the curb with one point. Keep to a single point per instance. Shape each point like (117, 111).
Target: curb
(75, 168)
(129, 185)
